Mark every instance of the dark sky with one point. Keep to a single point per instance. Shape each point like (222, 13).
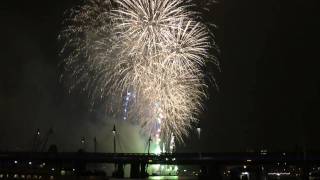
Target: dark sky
(268, 94)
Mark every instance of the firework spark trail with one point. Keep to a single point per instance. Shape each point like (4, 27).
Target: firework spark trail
(81, 36)
(175, 94)
(147, 23)
(169, 53)
(154, 48)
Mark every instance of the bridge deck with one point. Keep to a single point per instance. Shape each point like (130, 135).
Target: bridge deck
(175, 158)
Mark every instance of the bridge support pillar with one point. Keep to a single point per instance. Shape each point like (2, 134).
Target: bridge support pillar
(263, 173)
(138, 170)
(143, 171)
(119, 171)
(134, 170)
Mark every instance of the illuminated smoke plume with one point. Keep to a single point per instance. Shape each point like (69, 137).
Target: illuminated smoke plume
(154, 49)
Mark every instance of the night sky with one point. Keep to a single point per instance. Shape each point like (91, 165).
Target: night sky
(268, 95)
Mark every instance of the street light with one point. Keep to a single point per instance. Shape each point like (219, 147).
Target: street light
(199, 132)
(114, 138)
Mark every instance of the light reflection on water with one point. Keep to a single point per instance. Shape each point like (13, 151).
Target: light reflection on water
(171, 178)
(164, 178)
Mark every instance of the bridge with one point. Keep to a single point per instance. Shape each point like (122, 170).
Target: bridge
(164, 158)
(138, 162)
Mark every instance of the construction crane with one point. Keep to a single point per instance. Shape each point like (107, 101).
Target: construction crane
(36, 141)
(45, 139)
(40, 143)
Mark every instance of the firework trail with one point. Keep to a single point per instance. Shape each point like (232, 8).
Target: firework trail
(156, 49)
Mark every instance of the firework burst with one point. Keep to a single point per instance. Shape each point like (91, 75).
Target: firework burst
(154, 48)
